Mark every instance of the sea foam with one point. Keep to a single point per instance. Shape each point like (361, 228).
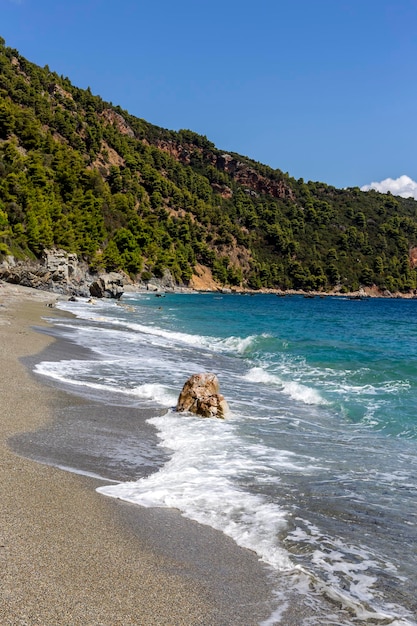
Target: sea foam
(294, 389)
(199, 480)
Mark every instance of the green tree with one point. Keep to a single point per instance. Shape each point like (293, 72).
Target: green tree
(7, 120)
(111, 258)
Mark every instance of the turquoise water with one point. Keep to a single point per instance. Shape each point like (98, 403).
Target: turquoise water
(316, 467)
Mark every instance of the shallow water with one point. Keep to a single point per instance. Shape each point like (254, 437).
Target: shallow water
(316, 467)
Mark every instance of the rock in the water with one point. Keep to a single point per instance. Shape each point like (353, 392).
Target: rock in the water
(200, 395)
(108, 286)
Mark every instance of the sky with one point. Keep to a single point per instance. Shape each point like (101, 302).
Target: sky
(325, 90)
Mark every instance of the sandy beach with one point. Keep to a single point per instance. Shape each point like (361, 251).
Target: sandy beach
(71, 556)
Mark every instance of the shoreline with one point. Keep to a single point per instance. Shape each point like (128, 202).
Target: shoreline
(71, 556)
(362, 294)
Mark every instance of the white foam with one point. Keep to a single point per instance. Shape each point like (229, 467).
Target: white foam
(205, 480)
(199, 480)
(84, 374)
(259, 375)
(294, 389)
(63, 370)
(389, 386)
(232, 344)
(156, 392)
(346, 574)
(237, 344)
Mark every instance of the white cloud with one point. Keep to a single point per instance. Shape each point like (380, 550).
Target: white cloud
(403, 186)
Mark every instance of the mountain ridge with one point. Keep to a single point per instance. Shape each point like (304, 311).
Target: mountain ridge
(86, 176)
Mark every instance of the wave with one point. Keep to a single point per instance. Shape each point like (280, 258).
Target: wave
(205, 480)
(156, 392)
(356, 394)
(231, 344)
(84, 374)
(239, 345)
(294, 389)
(199, 481)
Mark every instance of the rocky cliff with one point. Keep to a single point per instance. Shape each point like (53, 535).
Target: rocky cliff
(61, 272)
(239, 170)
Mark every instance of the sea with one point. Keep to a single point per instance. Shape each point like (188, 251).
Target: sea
(315, 467)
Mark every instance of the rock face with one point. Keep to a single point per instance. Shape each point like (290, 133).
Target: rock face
(108, 286)
(62, 265)
(251, 179)
(200, 395)
(58, 271)
(241, 172)
(118, 121)
(61, 272)
(167, 282)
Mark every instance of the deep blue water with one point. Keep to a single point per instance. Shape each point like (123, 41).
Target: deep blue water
(316, 467)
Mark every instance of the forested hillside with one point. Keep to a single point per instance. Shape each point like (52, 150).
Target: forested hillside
(84, 175)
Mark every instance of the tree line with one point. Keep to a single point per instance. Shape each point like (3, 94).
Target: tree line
(84, 175)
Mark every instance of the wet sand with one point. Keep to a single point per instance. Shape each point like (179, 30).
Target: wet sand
(70, 556)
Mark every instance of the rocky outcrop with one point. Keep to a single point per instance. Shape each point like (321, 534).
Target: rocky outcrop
(27, 275)
(413, 258)
(240, 171)
(57, 271)
(200, 395)
(247, 176)
(165, 283)
(62, 265)
(108, 286)
(118, 121)
(55, 89)
(106, 158)
(61, 272)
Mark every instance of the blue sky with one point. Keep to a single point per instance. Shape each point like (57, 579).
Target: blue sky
(322, 89)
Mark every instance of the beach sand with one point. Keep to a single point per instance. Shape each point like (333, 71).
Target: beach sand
(70, 556)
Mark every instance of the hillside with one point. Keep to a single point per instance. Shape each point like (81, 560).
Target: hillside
(84, 175)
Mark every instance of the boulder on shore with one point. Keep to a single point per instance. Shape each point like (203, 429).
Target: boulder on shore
(200, 395)
(108, 286)
(58, 271)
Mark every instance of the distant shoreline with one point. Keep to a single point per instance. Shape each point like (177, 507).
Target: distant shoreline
(363, 293)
